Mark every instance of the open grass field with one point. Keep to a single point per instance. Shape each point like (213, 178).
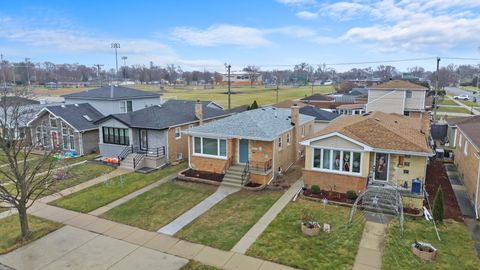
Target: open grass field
(159, 206)
(283, 241)
(457, 109)
(227, 222)
(455, 251)
(10, 231)
(194, 265)
(96, 196)
(240, 96)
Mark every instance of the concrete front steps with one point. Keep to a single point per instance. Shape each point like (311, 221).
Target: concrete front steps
(380, 200)
(127, 162)
(233, 177)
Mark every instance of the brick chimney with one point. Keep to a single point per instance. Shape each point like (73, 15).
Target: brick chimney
(295, 114)
(199, 111)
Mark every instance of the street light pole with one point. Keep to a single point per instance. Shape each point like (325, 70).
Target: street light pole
(435, 98)
(116, 46)
(28, 73)
(124, 58)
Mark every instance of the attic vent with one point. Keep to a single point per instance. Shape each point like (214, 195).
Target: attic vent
(87, 117)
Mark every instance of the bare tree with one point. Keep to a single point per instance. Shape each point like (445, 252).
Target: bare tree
(253, 73)
(26, 176)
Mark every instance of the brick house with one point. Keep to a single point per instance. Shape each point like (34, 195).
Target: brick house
(152, 136)
(66, 128)
(262, 142)
(466, 140)
(373, 148)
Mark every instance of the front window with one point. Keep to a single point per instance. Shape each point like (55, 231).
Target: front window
(280, 142)
(336, 160)
(289, 138)
(210, 146)
(126, 106)
(409, 94)
(72, 139)
(115, 135)
(53, 121)
(65, 137)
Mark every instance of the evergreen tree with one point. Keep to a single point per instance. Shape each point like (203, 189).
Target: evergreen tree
(437, 211)
(253, 106)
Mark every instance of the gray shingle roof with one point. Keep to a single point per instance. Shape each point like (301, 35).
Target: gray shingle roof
(319, 114)
(170, 113)
(74, 115)
(112, 93)
(260, 124)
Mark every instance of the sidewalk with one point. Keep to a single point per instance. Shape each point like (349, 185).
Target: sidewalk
(249, 238)
(370, 249)
(198, 210)
(153, 240)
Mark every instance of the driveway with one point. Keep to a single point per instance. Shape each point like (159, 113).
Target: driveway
(73, 248)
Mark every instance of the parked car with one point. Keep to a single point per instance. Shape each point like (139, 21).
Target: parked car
(462, 97)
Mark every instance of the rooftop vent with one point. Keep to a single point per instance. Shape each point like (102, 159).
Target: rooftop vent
(63, 105)
(87, 118)
(76, 105)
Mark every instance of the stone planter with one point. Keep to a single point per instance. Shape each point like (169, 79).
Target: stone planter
(426, 252)
(311, 231)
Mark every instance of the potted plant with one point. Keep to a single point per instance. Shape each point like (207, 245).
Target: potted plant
(308, 225)
(424, 250)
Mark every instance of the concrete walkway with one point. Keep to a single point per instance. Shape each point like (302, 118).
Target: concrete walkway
(249, 238)
(114, 239)
(104, 209)
(187, 217)
(370, 250)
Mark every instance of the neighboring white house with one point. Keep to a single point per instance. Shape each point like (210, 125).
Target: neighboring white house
(397, 96)
(115, 99)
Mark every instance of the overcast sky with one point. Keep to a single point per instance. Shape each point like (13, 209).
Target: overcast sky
(271, 34)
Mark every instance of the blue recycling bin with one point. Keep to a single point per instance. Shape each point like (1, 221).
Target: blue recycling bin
(416, 186)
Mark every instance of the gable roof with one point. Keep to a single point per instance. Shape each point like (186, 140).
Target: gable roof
(470, 127)
(112, 93)
(318, 97)
(399, 85)
(319, 114)
(74, 115)
(381, 131)
(16, 101)
(171, 113)
(259, 124)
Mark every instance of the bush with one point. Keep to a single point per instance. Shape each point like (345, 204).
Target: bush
(437, 211)
(315, 189)
(351, 195)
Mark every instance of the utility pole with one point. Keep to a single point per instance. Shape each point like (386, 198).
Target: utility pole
(4, 77)
(99, 66)
(28, 73)
(116, 46)
(435, 98)
(124, 58)
(228, 66)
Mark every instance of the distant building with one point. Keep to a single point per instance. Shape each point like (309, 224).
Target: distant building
(366, 82)
(242, 78)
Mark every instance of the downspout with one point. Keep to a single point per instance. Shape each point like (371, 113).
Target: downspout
(166, 146)
(476, 193)
(273, 163)
(80, 142)
(189, 159)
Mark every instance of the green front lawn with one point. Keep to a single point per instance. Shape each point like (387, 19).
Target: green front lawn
(446, 101)
(455, 251)
(469, 103)
(457, 109)
(227, 222)
(159, 206)
(194, 265)
(284, 243)
(10, 231)
(96, 196)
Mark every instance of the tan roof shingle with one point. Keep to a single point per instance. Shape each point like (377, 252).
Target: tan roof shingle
(399, 84)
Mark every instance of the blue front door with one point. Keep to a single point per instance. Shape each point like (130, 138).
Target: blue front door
(243, 151)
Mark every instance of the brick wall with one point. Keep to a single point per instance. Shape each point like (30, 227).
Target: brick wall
(176, 146)
(335, 182)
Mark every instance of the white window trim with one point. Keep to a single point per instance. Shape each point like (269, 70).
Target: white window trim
(125, 105)
(280, 143)
(179, 133)
(460, 140)
(465, 148)
(302, 131)
(388, 167)
(207, 155)
(289, 138)
(331, 170)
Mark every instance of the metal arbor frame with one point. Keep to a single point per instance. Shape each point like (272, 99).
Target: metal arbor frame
(380, 199)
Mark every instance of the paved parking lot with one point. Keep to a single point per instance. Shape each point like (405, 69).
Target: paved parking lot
(73, 248)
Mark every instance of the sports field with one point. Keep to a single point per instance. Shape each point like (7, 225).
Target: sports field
(240, 96)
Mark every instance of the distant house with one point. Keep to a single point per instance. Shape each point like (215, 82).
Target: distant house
(327, 101)
(322, 117)
(153, 135)
(351, 109)
(386, 150)
(261, 142)
(66, 128)
(114, 99)
(397, 96)
(464, 135)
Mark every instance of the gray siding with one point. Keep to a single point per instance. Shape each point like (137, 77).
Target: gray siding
(416, 102)
(389, 101)
(107, 107)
